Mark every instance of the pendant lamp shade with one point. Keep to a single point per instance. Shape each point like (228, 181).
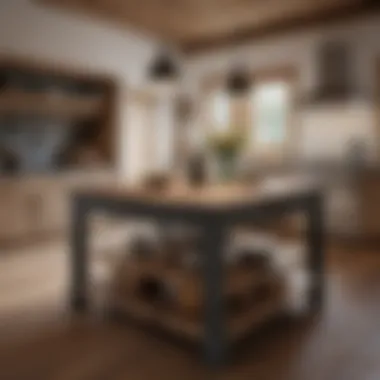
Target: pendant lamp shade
(238, 82)
(163, 68)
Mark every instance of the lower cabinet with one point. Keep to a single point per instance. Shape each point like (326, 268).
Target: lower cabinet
(39, 208)
(14, 222)
(369, 198)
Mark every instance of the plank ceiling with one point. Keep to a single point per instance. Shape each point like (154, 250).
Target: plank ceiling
(201, 24)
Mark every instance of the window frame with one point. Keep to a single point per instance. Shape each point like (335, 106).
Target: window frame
(242, 112)
(274, 149)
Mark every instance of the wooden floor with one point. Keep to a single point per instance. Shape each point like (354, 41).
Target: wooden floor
(40, 340)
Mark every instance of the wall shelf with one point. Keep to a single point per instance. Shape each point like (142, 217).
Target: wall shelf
(57, 132)
(51, 104)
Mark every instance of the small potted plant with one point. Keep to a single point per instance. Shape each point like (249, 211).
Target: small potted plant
(226, 147)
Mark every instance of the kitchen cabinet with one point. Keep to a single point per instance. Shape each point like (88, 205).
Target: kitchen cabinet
(36, 208)
(369, 198)
(13, 212)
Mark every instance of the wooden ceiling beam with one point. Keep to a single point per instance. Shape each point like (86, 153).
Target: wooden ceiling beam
(325, 18)
(255, 14)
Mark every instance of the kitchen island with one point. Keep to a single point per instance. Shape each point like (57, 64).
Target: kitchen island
(213, 210)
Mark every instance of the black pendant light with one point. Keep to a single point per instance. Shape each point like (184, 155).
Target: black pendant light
(163, 68)
(238, 81)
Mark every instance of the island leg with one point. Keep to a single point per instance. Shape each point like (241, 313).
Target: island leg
(215, 342)
(315, 254)
(79, 256)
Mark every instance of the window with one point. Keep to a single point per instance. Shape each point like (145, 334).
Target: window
(270, 112)
(264, 115)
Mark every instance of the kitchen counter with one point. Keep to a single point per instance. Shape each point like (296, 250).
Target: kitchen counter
(352, 193)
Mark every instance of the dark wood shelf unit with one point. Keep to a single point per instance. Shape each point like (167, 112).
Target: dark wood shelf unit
(33, 89)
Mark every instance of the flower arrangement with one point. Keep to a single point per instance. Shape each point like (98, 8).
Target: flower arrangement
(226, 146)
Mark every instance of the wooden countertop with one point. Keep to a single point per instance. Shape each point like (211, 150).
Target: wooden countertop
(210, 196)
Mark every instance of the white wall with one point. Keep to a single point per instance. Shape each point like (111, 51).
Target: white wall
(299, 50)
(32, 30)
(328, 133)
(28, 28)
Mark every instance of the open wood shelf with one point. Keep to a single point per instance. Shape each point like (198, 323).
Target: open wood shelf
(54, 105)
(182, 314)
(237, 278)
(172, 321)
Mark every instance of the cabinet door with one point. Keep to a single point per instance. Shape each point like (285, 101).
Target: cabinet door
(6, 215)
(369, 201)
(13, 218)
(33, 201)
(56, 207)
(45, 201)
